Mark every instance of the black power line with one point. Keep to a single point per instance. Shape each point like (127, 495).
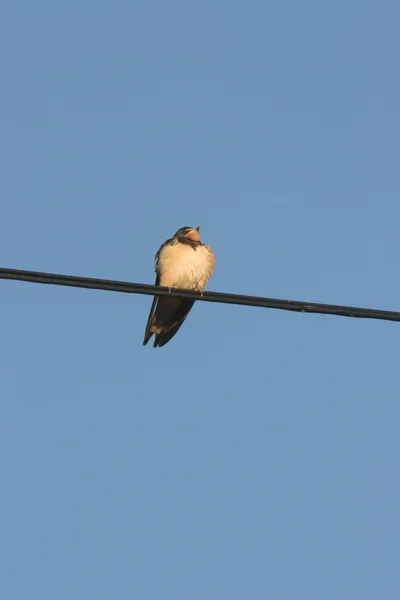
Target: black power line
(151, 290)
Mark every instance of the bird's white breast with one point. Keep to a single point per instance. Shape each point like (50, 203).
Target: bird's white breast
(183, 266)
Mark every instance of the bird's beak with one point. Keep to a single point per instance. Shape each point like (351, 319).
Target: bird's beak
(193, 234)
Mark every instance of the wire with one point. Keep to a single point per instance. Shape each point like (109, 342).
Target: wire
(153, 290)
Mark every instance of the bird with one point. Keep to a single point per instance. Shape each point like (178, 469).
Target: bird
(182, 261)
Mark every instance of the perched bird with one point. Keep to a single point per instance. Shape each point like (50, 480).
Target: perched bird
(181, 262)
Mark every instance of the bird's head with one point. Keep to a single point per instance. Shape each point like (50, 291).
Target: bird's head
(192, 233)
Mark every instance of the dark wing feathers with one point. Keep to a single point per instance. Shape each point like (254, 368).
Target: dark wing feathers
(172, 313)
(148, 333)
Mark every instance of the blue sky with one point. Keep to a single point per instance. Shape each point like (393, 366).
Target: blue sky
(257, 454)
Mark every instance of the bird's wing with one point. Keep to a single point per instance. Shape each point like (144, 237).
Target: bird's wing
(148, 333)
(171, 312)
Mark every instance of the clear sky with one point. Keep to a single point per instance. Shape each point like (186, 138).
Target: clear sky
(257, 454)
